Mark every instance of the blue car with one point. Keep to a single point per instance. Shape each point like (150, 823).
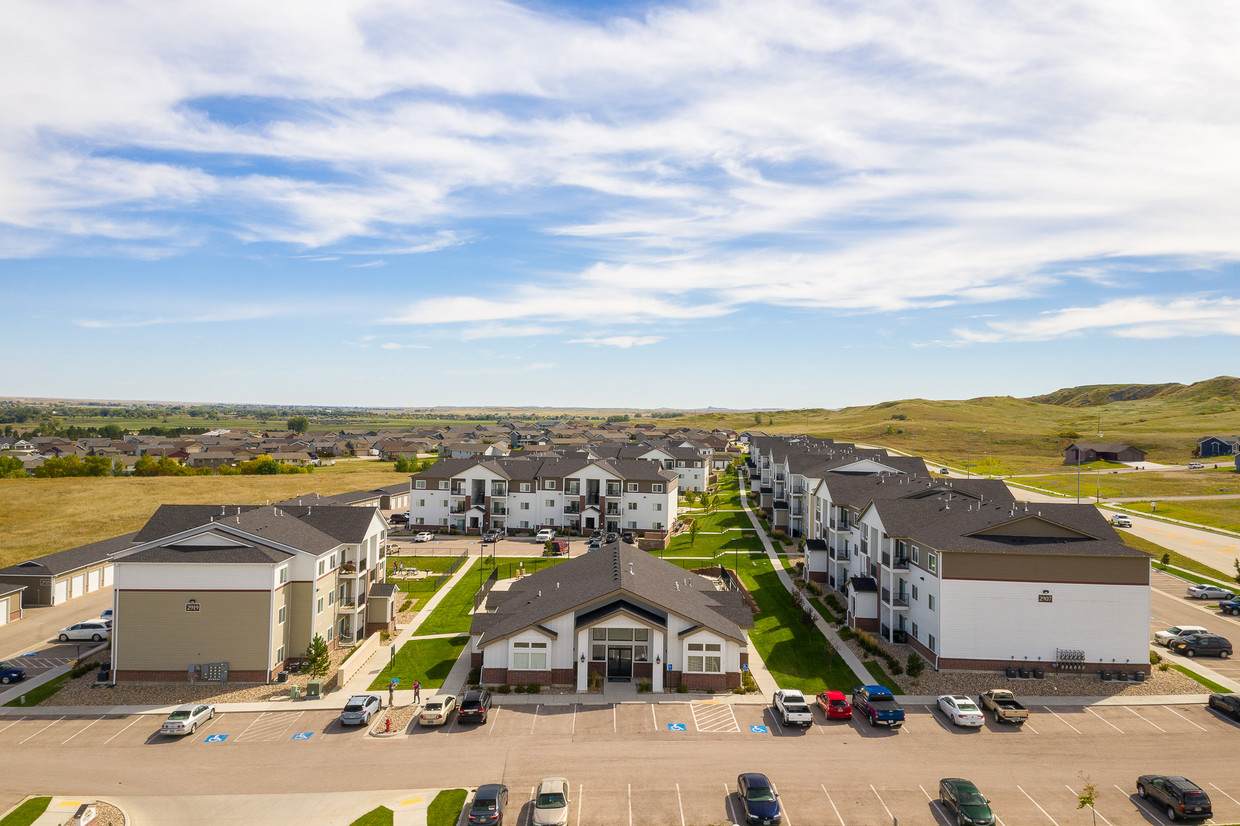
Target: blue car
(759, 799)
(10, 673)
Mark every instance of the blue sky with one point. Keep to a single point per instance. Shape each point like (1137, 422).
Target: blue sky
(731, 204)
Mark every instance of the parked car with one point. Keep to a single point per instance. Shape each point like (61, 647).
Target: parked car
(95, 630)
(1177, 796)
(1003, 704)
(475, 706)
(10, 673)
(594, 545)
(791, 708)
(551, 803)
(399, 519)
(629, 537)
(1226, 703)
(359, 709)
(759, 800)
(1119, 520)
(438, 710)
(610, 538)
(877, 705)
(596, 534)
(961, 710)
(1202, 645)
(965, 801)
(835, 705)
(1195, 466)
(559, 547)
(106, 615)
(494, 535)
(1169, 636)
(488, 805)
(1209, 592)
(545, 535)
(424, 536)
(1230, 606)
(187, 719)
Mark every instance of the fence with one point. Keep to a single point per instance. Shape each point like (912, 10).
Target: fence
(481, 596)
(432, 583)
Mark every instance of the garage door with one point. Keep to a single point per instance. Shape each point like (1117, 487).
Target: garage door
(107, 576)
(92, 580)
(61, 593)
(4, 610)
(76, 589)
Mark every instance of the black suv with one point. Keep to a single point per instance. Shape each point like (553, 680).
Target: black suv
(1180, 798)
(1226, 703)
(1207, 645)
(494, 535)
(474, 706)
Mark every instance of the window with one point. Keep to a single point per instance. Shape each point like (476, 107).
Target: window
(525, 524)
(530, 656)
(282, 617)
(632, 506)
(549, 484)
(525, 487)
(322, 567)
(331, 597)
(421, 520)
(705, 658)
(632, 487)
(930, 642)
(680, 463)
(641, 634)
(631, 526)
(932, 563)
(619, 634)
(598, 634)
(525, 506)
(697, 464)
(284, 574)
(656, 488)
(331, 563)
(658, 506)
(916, 561)
(318, 608)
(641, 653)
(420, 484)
(443, 484)
(915, 634)
(914, 593)
(551, 503)
(598, 652)
(930, 601)
(421, 503)
(280, 654)
(658, 526)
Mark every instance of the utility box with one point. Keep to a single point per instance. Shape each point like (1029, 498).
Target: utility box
(294, 692)
(314, 689)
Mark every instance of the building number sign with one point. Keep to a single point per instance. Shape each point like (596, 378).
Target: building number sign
(1046, 597)
(192, 606)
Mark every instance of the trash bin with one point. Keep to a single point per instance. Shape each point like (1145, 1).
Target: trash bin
(282, 677)
(314, 689)
(1105, 674)
(1038, 674)
(294, 692)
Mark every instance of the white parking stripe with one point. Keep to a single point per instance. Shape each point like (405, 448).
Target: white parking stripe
(731, 808)
(1151, 722)
(613, 718)
(534, 721)
(1225, 794)
(122, 731)
(45, 728)
(1076, 794)
(629, 786)
(653, 719)
(580, 793)
(1185, 719)
(1062, 720)
(498, 709)
(1103, 719)
(79, 731)
(832, 802)
(880, 800)
(574, 729)
(10, 725)
(680, 804)
(782, 808)
(1040, 809)
(529, 818)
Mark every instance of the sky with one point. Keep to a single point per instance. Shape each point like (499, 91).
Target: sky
(782, 204)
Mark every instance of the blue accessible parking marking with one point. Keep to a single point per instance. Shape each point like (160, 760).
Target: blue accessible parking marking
(759, 729)
(675, 726)
(303, 735)
(216, 738)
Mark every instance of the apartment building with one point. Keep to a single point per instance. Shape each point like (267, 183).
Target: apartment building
(573, 493)
(245, 587)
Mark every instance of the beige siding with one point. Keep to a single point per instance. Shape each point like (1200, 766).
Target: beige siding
(1023, 567)
(301, 616)
(281, 634)
(155, 633)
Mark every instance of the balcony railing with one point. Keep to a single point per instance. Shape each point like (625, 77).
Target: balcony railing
(897, 600)
(572, 509)
(573, 490)
(841, 556)
(900, 563)
(613, 510)
(613, 491)
(497, 510)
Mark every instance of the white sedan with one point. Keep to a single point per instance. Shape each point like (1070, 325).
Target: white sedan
(1209, 592)
(961, 710)
(186, 719)
(424, 536)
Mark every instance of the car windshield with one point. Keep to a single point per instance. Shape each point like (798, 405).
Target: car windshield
(971, 797)
(468, 704)
(434, 706)
(551, 800)
(179, 715)
(759, 794)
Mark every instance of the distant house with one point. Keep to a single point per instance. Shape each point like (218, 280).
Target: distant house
(1218, 446)
(1086, 452)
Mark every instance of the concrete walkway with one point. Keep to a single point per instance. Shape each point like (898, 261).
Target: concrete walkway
(853, 662)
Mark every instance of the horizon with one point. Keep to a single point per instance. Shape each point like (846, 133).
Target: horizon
(599, 206)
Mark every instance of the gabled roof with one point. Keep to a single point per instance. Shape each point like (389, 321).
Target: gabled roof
(615, 572)
(63, 562)
(311, 528)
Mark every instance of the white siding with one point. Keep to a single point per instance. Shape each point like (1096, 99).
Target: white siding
(1001, 620)
(179, 577)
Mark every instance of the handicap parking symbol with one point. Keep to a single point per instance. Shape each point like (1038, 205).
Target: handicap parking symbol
(675, 726)
(216, 738)
(759, 729)
(303, 735)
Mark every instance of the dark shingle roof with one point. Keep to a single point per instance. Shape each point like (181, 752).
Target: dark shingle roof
(384, 589)
(64, 561)
(313, 528)
(249, 554)
(613, 571)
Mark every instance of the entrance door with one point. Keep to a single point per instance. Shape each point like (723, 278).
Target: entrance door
(589, 523)
(619, 663)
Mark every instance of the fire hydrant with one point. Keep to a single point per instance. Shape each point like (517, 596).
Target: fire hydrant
(387, 724)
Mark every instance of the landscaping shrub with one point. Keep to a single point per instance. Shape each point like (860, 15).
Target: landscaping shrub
(815, 589)
(504, 689)
(643, 687)
(915, 665)
(682, 689)
(846, 633)
(1155, 658)
(596, 682)
(533, 688)
(748, 682)
(800, 569)
(475, 676)
(1164, 666)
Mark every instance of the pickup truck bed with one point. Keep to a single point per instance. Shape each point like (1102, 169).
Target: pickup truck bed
(1004, 706)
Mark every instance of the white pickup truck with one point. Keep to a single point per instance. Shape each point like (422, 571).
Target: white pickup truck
(791, 708)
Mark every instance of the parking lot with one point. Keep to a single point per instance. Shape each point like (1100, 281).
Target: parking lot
(1169, 606)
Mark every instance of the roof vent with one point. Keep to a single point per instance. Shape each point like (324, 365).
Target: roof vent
(630, 569)
(540, 594)
(677, 586)
(557, 586)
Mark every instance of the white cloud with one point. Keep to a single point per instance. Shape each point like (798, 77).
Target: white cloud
(214, 316)
(391, 345)
(1144, 317)
(623, 342)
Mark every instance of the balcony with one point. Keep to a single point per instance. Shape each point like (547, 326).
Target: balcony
(460, 507)
(572, 508)
(898, 600)
(499, 510)
(900, 563)
(613, 509)
(613, 491)
(499, 493)
(838, 555)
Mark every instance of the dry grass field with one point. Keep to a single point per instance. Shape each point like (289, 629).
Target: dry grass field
(41, 516)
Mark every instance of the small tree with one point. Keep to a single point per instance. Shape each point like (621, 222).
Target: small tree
(299, 424)
(693, 530)
(318, 658)
(1087, 797)
(757, 418)
(914, 665)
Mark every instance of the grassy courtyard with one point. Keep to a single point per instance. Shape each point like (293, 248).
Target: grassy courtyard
(424, 661)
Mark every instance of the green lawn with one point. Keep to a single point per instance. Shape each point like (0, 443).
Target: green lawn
(1176, 559)
(1219, 513)
(1210, 684)
(880, 676)
(453, 611)
(424, 661)
(28, 812)
(40, 693)
(445, 809)
(382, 816)
(1147, 485)
(434, 564)
(510, 565)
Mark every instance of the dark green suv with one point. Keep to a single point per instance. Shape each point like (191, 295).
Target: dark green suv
(1202, 645)
(1177, 796)
(965, 802)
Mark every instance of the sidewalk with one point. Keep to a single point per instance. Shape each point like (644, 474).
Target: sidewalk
(844, 651)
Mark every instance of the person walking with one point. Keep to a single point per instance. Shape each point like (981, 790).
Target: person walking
(417, 692)
(391, 693)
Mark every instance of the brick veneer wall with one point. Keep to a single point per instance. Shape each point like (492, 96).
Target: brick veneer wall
(710, 682)
(643, 671)
(475, 659)
(556, 676)
(865, 624)
(182, 676)
(818, 576)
